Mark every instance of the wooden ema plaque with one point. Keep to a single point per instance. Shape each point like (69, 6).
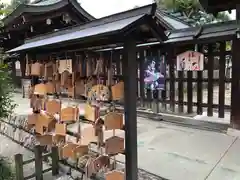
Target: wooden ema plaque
(65, 65)
(37, 69)
(73, 151)
(101, 162)
(59, 139)
(44, 123)
(32, 119)
(46, 120)
(45, 139)
(99, 92)
(39, 129)
(50, 88)
(49, 70)
(90, 112)
(53, 107)
(115, 175)
(114, 145)
(79, 87)
(69, 114)
(60, 129)
(40, 89)
(66, 79)
(190, 61)
(113, 121)
(118, 91)
(88, 136)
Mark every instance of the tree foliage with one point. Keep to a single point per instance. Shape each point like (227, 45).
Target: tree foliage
(6, 172)
(14, 4)
(193, 10)
(7, 104)
(3, 11)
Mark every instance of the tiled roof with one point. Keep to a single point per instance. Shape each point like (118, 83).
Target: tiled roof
(42, 6)
(80, 34)
(203, 32)
(110, 25)
(214, 6)
(97, 22)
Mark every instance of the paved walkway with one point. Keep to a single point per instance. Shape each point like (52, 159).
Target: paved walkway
(180, 153)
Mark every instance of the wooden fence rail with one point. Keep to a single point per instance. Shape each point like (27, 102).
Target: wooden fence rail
(185, 93)
(38, 159)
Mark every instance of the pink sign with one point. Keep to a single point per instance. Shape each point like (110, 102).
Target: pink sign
(190, 61)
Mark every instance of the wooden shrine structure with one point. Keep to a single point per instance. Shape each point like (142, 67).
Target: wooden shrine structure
(217, 33)
(108, 52)
(182, 38)
(214, 6)
(37, 18)
(46, 16)
(136, 26)
(40, 17)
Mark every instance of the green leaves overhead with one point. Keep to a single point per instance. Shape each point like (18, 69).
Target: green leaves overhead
(14, 4)
(192, 9)
(186, 6)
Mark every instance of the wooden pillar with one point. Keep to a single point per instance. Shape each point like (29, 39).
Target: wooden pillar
(141, 68)
(38, 163)
(235, 98)
(74, 72)
(130, 99)
(238, 13)
(109, 70)
(23, 64)
(19, 166)
(55, 161)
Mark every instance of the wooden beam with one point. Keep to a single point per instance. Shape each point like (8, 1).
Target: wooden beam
(235, 113)
(238, 13)
(235, 98)
(130, 99)
(34, 20)
(215, 6)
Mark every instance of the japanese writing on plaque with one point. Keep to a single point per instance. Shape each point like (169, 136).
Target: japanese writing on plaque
(190, 61)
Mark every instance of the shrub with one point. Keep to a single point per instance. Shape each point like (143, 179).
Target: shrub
(6, 172)
(7, 104)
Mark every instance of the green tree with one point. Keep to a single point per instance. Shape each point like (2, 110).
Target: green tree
(193, 10)
(6, 172)
(7, 104)
(3, 11)
(14, 4)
